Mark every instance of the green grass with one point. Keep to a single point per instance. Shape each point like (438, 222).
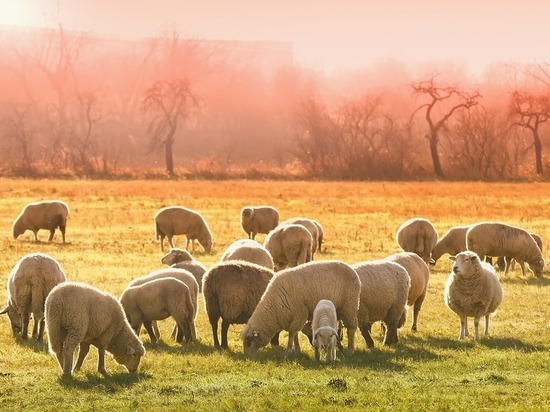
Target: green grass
(110, 241)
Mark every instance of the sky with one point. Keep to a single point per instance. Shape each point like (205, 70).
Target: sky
(326, 34)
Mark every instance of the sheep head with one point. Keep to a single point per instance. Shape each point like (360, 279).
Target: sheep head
(463, 261)
(15, 318)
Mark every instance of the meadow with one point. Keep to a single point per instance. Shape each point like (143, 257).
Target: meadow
(110, 237)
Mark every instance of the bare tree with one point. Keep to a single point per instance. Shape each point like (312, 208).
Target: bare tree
(449, 100)
(17, 129)
(531, 111)
(168, 103)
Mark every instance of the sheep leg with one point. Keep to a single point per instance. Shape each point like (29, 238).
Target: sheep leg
(101, 361)
(25, 316)
(366, 332)
(69, 347)
(149, 328)
(416, 311)
(35, 328)
(174, 333)
(84, 349)
(463, 327)
(156, 330)
(214, 323)
(171, 241)
(62, 229)
(292, 341)
(476, 326)
(522, 266)
(41, 326)
(52, 232)
(275, 339)
(487, 325)
(162, 242)
(318, 352)
(225, 328)
(506, 266)
(35, 235)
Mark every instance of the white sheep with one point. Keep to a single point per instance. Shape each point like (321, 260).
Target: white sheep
(182, 259)
(232, 290)
(182, 275)
(310, 225)
(258, 219)
(452, 242)
(289, 245)
(48, 215)
(384, 291)
(419, 236)
(79, 314)
(472, 290)
(420, 275)
(157, 300)
(325, 329)
(291, 297)
(29, 283)
(249, 251)
(499, 239)
(178, 220)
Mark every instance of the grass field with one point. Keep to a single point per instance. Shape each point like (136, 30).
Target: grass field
(110, 241)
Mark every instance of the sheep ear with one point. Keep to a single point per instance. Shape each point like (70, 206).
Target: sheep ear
(5, 310)
(130, 350)
(452, 258)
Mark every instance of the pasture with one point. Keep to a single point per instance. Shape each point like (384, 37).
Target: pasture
(110, 237)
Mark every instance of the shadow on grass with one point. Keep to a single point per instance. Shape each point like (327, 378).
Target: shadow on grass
(527, 280)
(197, 348)
(110, 384)
(33, 344)
(489, 342)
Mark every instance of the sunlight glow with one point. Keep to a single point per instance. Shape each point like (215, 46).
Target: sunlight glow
(14, 12)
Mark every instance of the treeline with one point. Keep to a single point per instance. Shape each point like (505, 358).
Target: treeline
(77, 105)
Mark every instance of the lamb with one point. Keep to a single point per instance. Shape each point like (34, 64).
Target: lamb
(79, 314)
(289, 245)
(29, 283)
(182, 275)
(48, 215)
(258, 219)
(232, 290)
(291, 297)
(156, 300)
(420, 274)
(325, 329)
(310, 225)
(177, 220)
(182, 259)
(472, 289)
(249, 251)
(506, 261)
(384, 290)
(418, 236)
(499, 239)
(452, 242)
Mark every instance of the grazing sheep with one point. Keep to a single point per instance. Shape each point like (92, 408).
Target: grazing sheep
(384, 291)
(29, 283)
(325, 329)
(472, 289)
(258, 219)
(420, 274)
(289, 245)
(310, 225)
(177, 220)
(157, 300)
(182, 259)
(232, 290)
(418, 236)
(507, 261)
(182, 275)
(249, 251)
(48, 215)
(79, 314)
(499, 239)
(291, 297)
(452, 242)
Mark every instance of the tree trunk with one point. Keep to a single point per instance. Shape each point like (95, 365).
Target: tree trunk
(435, 155)
(538, 151)
(169, 156)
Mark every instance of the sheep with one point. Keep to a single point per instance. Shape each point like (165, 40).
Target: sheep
(258, 219)
(310, 225)
(182, 259)
(182, 275)
(418, 236)
(499, 239)
(420, 274)
(178, 220)
(289, 245)
(504, 261)
(325, 329)
(249, 251)
(232, 290)
(472, 289)
(79, 314)
(384, 290)
(452, 242)
(48, 215)
(29, 282)
(291, 297)
(156, 300)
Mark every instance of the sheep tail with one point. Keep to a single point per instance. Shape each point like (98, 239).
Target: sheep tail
(420, 244)
(305, 253)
